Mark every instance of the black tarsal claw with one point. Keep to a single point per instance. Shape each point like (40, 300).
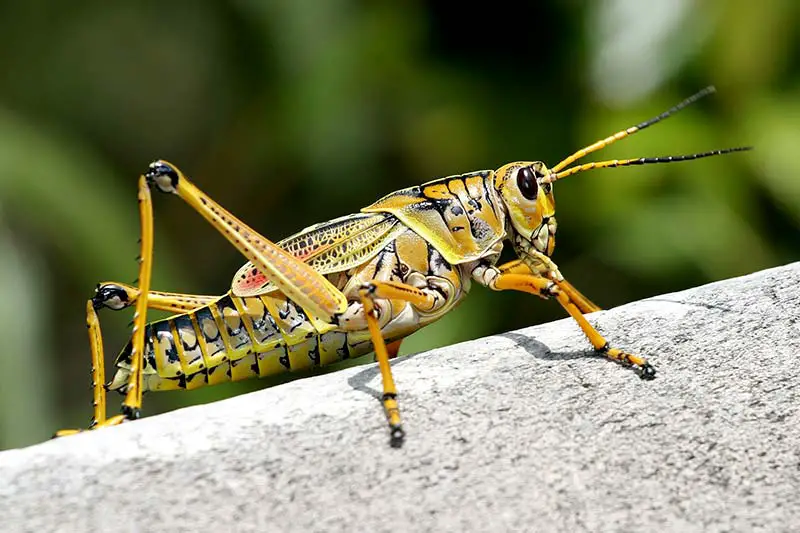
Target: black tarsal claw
(647, 372)
(397, 437)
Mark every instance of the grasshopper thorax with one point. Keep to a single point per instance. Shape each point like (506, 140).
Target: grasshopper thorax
(529, 202)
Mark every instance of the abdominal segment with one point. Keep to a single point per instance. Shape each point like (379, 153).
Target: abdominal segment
(230, 340)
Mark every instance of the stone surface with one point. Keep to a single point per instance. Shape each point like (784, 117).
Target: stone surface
(522, 431)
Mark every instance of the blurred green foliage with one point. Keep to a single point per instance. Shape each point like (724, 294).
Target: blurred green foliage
(292, 112)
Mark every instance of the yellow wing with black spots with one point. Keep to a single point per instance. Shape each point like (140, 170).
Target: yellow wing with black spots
(333, 246)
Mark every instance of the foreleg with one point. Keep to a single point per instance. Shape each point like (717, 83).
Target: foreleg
(510, 279)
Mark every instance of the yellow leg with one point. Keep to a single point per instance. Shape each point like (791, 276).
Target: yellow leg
(133, 398)
(296, 279)
(584, 304)
(392, 291)
(544, 287)
(98, 371)
(98, 365)
(389, 398)
(116, 295)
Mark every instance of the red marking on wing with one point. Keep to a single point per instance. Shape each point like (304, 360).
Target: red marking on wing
(253, 279)
(304, 245)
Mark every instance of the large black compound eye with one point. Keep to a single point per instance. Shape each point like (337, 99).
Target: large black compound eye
(526, 181)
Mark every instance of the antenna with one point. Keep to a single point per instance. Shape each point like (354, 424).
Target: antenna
(640, 161)
(602, 143)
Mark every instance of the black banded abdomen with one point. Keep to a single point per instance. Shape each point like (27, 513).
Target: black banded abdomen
(230, 340)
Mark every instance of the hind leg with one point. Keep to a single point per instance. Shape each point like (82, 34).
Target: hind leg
(98, 372)
(133, 397)
(115, 295)
(309, 289)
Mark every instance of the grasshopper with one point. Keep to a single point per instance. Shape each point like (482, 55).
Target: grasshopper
(349, 286)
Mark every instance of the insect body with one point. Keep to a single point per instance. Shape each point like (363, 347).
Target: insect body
(346, 287)
(254, 330)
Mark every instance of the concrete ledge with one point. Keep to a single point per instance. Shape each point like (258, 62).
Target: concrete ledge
(522, 431)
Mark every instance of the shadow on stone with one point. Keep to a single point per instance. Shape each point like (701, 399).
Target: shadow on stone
(359, 381)
(541, 351)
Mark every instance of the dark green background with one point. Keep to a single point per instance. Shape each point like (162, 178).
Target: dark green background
(292, 112)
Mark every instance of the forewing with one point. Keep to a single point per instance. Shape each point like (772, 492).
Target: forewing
(332, 246)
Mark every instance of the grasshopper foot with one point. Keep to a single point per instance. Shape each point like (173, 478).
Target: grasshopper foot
(643, 369)
(647, 372)
(397, 436)
(113, 421)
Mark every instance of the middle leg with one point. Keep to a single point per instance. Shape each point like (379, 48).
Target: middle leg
(427, 300)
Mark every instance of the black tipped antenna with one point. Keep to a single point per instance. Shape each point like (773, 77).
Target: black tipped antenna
(602, 143)
(641, 161)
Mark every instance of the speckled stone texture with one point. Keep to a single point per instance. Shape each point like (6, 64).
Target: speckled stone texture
(526, 431)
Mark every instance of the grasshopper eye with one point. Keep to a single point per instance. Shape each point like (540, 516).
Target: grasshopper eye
(526, 181)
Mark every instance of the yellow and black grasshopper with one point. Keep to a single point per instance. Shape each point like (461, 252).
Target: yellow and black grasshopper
(349, 286)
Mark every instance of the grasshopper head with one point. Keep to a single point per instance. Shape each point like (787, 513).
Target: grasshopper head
(527, 187)
(529, 201)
